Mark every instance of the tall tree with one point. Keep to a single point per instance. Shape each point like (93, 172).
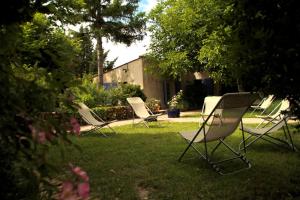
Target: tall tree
(252, 42)
(117, 20)
(85, 57)
(108, 64)
(179, 28)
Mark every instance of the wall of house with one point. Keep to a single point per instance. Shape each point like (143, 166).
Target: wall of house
(131, 73)
(134, 73)
(153, 86)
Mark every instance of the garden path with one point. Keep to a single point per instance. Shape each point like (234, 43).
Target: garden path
(180, 119)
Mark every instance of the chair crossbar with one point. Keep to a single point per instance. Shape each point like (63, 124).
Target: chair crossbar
(266, 136)
(220, 123)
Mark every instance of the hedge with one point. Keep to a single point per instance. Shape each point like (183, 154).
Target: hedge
(113, 112)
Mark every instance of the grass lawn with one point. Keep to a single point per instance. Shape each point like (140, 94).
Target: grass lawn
(141, 163)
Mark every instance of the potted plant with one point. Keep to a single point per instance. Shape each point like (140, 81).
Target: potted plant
(175, 104)
(153, 104)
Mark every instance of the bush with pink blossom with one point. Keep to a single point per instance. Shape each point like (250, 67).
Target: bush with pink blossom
(77, 188)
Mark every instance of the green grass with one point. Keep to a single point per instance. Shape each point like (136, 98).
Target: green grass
(141, 163)
(268, 110)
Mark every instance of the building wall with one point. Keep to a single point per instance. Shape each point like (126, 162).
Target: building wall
(153, 86)
(131, 73)
(134, 73)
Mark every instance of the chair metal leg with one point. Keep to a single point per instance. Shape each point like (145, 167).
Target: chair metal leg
(215, 164)
(186, 149)
(287, 143)
(244, 143)
(290, 137)
(215, 148)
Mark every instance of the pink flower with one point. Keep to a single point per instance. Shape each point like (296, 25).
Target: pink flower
(67, 186)
(79, 172)
(40, 137)
(67, 192)
(77, 190)
(75, 125)
(83, 190)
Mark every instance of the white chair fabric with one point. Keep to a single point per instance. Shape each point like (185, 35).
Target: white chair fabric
(209, 104)
(276, 114)
(222, 122)
(266, 131)
(92, 118)
(264, 104)
(141, 110)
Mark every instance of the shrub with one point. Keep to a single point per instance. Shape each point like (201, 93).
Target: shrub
(176, 101)
(118, 95)
(113, 112)
(90, 94)
(130, 90)
(153, 104)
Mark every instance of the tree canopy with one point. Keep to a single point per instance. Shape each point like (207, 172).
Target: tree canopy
(252, 43)
(117, 20)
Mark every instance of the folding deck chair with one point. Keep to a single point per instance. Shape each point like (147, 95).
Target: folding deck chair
(222, 122)
(265, 132)
(208, 105)
(276, 114)
(264, 104)
(91, 118)
(142, 111)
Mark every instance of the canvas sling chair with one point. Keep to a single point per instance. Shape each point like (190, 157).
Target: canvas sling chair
(263, 105)
(208, 105)
(91, 118)
(222, 122)
(265, 133)
(276, 114)
(141, 110)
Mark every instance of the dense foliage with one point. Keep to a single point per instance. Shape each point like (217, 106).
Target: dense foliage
(37, 59)
(253, 44)
(87, 63)
(88, 93)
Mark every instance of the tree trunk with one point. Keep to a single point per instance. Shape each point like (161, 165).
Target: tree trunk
(217, 88)
(100, 61)
(240, 85)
